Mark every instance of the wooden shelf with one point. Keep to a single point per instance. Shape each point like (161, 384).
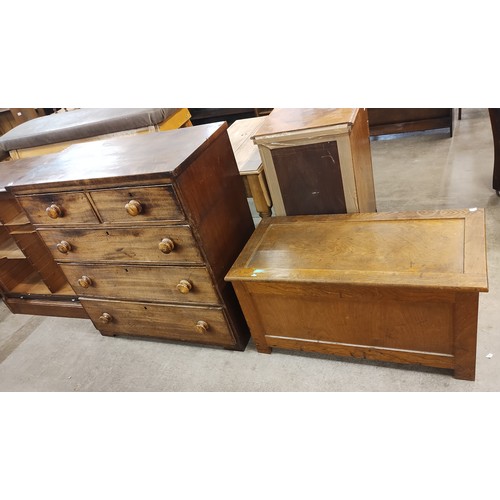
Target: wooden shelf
(9, 250)
(34, 285)
(18, 220)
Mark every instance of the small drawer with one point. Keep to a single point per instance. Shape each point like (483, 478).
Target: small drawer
(135, 282)
(58, 209)
(157, 244)
(134, 204)
(205, 325)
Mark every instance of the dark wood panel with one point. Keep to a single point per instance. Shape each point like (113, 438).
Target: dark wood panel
(213, 193)
(399, 120)
(495, 126)
(310, 179)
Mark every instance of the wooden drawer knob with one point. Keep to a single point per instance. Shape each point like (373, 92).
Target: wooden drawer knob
(85, 282)
(202, 327)
(133, 207)
(184, 286)
(166, 245)
(106, 318)
(64, 247)
(54, 211)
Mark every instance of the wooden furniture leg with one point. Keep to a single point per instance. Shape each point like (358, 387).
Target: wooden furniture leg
(260, 194)
(465, 321)
(495, 127)
(252, 317)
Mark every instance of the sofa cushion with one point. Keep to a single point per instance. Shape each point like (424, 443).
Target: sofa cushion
(79, 124)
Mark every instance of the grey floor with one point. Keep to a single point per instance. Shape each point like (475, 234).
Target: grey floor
(413, 171)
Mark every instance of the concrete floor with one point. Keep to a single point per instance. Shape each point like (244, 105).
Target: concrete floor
(413, 171)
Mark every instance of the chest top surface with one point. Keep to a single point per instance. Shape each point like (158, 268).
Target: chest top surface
(292, 120)
(123, 158)
(438, 249)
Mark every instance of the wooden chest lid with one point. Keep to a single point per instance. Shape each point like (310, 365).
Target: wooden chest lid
(289, 121)
(442, 249)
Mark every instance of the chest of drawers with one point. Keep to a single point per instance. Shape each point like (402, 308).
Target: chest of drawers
(145, 228)
(397, 287)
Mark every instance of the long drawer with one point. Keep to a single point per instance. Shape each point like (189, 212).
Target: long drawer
(139, 282)
(206, 325)
(162, 244)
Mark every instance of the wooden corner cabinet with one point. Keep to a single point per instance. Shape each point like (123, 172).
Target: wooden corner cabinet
(317, 160)
(144, 229)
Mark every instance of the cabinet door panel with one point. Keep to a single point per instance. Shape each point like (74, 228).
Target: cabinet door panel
(310, 179)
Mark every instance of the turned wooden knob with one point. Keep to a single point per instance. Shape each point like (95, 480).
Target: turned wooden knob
(133, 207)
(54, 211)
(64, 247)
(85, 282)
(166, 245)
(202, 327)
(106, 318)
(184, 286)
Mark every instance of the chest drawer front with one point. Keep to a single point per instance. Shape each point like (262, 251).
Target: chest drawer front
(134, 204)
(150, 283)
(206, 325)
(59, 208)
(131, 244)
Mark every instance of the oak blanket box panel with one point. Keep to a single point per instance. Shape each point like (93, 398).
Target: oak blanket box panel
(397, 287)
(145, 228)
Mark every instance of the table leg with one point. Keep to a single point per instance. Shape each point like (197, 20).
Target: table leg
(260, 194)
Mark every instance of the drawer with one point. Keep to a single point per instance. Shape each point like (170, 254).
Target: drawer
(130, 244)
(59, 208)
(134, 204)
(150, 283)
(206, 325)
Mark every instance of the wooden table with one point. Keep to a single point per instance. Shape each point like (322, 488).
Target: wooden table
(398, 287)
(249, 162)
(317, 160)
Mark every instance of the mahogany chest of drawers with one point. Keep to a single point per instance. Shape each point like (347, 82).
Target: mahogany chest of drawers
(397, 287)
(145, 228)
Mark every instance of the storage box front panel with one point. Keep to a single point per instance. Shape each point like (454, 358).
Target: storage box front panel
(331, 314)
(310, 178)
